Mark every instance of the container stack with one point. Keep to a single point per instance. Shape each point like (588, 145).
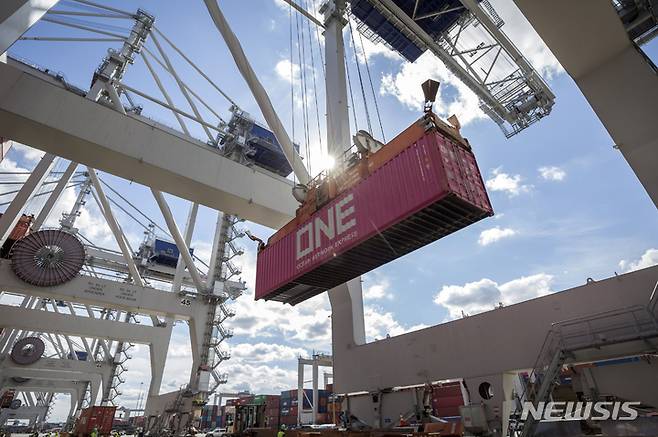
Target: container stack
(272, 411)
(290, 408)
(137, 421)
(211, 417)
(334, 408)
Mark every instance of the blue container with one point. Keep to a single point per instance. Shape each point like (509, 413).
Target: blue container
(166, 253)
(266, 151)
(81, 355)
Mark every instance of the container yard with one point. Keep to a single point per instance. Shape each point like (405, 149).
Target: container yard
(454, 199)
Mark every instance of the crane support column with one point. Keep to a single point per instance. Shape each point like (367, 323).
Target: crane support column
(338, 125)
(348, 297)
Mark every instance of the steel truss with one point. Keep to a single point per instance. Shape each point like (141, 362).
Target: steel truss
(200, 298)
(480, 55)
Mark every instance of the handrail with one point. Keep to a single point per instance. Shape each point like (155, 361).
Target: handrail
(558, 341)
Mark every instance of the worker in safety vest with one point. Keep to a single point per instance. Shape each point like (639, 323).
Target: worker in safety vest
(94, 432)
(282, 431)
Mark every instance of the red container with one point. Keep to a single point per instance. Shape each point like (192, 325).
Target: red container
(6, 399)
(100, 418)
(449, 401)
(288, 420)
(21, 228)
(272, 422)
(422, 186)
(447, 411)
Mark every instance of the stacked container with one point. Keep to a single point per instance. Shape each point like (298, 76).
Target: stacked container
(211, 417)
(289, 407)
(272, 411)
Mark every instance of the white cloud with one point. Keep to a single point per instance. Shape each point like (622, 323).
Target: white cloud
(485, 294)
(648, 259)
(380, 324)
(287, 71)
(378, 290)
(370, 49)
(308, 321)
(282, 5)
(552, 173)
(507, 183)
(270, 380)
(266, 352)
(405, 86)
(29, 153)
(492, 235)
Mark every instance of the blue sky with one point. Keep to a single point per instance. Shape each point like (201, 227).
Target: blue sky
(567, 205)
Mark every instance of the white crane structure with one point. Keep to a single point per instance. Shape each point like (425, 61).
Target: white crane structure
(103, 292)
(601, 320)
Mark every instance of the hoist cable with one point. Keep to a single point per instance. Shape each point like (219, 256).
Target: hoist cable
(358, 69)
(193, 65)
(302, 72)
(134, 207)
(292, 86)
(349, 84)
(372, 88)
(88, 29)
(317, 38)
(99, 6)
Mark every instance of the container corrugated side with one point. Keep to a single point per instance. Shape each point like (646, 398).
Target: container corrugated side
(430, 169)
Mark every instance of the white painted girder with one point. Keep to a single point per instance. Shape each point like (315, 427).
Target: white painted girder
(24, 412)
(42, 321)
(589, 40)
(37, 377)
(107, 294)
(39, 112)
(60, 365)
(17, 16)
(46, 386)
(157, 338)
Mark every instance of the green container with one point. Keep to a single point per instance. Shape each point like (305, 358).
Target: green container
(259, 400)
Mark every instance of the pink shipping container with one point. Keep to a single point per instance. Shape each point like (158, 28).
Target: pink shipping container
(420, 187)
